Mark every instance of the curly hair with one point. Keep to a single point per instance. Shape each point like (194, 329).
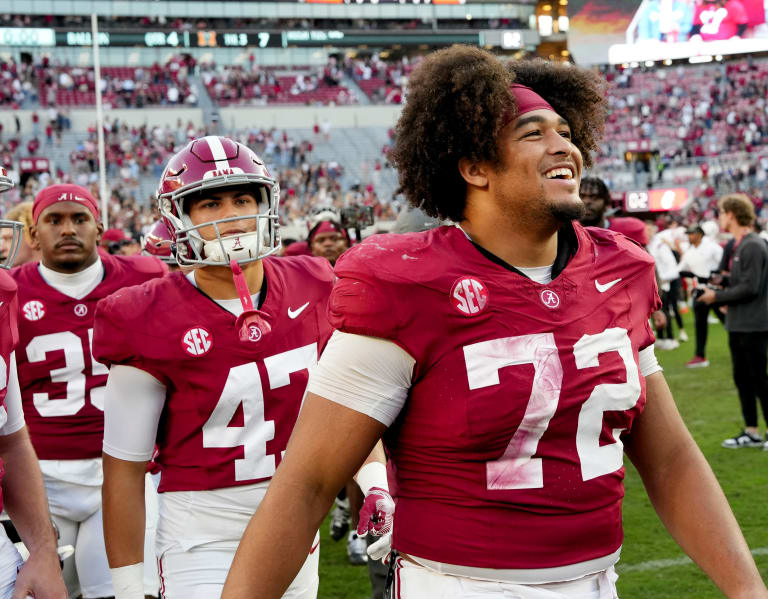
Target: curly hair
(459, 99)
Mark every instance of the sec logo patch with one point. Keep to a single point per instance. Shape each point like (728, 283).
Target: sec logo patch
(469, 295)
(197, 341)
(33, 310)
(81, 310)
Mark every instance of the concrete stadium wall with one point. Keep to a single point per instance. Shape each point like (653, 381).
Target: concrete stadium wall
(303, 117)
(84, 118)
(280, 117)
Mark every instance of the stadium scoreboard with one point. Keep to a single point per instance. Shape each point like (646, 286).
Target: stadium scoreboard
(40, 38)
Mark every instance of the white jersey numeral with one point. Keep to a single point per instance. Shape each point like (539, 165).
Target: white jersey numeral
(517, 468)
(72, 373)
(597, 460)
(244, 387)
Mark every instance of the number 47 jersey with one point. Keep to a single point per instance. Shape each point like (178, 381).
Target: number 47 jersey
(230, 404)
(507, 453)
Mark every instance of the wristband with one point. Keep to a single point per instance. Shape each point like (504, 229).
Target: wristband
(372, 474)
(128, 581)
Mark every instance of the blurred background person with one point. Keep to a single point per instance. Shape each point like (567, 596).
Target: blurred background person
(27, 252)
(745, 294)
(698, 262)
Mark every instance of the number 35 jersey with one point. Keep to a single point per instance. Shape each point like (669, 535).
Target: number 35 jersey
(62, 386)
(507, 453)
(231, 404)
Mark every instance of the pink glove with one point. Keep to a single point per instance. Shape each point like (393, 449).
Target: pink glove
(376, 517)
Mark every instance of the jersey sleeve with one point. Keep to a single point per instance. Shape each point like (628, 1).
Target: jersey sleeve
(117, 339)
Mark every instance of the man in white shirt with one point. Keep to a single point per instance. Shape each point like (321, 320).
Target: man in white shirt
(666, 268)
(698, 262)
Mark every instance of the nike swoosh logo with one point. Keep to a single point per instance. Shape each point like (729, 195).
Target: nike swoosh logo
(606, 286)
(294, 313)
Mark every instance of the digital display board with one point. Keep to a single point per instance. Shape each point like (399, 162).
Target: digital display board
(26, 37)
(656, 200)
(621, 31)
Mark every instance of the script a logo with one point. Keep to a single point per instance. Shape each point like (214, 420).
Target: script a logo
(197, 341)
(469, 296)
(33, 310)
(254, 333)
(550, 299)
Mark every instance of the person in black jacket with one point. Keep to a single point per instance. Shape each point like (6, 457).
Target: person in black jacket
(746, 320)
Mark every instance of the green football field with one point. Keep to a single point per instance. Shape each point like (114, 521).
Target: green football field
(652, 566)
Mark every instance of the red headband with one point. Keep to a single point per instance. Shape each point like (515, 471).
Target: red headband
(526, 100)
(326, 226)
(64, 192)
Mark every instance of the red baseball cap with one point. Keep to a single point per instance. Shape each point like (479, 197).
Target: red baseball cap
(64, 192)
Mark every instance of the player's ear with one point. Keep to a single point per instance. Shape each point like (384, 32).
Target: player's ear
(34, 241)
(99, 232)
(474, 173)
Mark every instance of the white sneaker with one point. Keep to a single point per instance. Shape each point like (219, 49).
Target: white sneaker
(340, 519)
(712, 320)
(356, 549)
(673, 344)
(682, 336)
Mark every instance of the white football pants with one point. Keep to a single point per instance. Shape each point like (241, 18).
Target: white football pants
(412, 581)
(200, 572)
(76, 509)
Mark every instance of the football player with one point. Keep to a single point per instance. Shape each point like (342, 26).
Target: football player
(157, 243)
(211, 367)
(507, 361)
(62, 386)
(719, 20)
(23, 495)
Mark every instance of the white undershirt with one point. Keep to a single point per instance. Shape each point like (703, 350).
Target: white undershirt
(77, 284)
(233, 306)
(373, 376)
(135, 399)
(540, 274)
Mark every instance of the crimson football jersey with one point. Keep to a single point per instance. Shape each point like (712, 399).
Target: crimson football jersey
(230, 404)
(9, 335)
(62, 386)
(507, 452)
(720, 22)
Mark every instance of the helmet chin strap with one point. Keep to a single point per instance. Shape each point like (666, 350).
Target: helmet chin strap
(234, 247)
(252, 324)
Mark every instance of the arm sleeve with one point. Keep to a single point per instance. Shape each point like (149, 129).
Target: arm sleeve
(15, 421)
(648, 362)
(134, 402)
(366, 374)
(748, 287)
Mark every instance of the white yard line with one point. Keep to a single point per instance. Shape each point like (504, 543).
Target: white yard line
(669, 563)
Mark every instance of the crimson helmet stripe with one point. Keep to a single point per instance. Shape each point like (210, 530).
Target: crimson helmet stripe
(217, 151)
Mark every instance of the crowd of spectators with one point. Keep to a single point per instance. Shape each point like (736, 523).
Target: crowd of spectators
(256, 85)
(687, 112)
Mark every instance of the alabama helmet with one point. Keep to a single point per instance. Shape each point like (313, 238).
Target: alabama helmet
(17, 228)
(214, 163)
(158, 243)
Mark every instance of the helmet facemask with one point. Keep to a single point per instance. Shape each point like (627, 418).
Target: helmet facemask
(17, 230)
(192, 249)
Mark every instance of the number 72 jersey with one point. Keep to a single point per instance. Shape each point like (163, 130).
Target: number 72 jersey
(230, 404)
(507, 453)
